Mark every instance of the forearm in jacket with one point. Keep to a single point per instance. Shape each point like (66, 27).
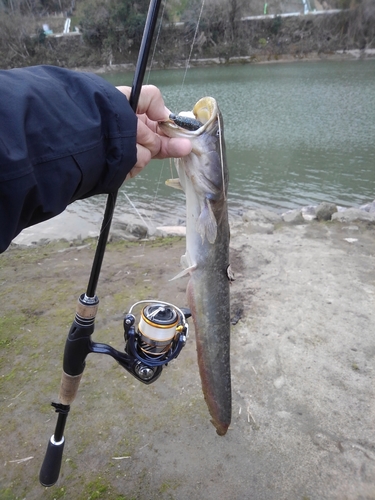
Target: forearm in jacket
(64, 136)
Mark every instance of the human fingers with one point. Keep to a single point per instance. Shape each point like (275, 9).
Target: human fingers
(173, 148)
(169, 148)
(161, 146)
(150, 102)
(148, 138)
(143, 158)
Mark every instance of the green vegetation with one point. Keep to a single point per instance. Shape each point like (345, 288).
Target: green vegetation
(114, 25)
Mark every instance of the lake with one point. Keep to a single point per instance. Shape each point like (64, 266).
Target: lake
(297, 134)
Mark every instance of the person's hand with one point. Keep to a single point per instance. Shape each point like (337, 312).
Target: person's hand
(151, 143)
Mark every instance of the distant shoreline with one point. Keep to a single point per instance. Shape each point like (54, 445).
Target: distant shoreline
(131, 228)
(339, 55)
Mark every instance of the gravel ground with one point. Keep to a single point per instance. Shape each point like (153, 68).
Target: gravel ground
(302, 372)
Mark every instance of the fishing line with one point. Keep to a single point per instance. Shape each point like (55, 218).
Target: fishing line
(221, 156)
(153, 204)
(178, 99)
(136, 210)
(180, 92)
(182, 84)
(156, 42)
(150, 218)
(157, 190)
(192, 46)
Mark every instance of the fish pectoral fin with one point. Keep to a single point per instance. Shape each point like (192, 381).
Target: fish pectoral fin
(174, 183)
(186, 271)
(206, 223)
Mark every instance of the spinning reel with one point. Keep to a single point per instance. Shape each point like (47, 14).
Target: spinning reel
(161, 334)
(158, 338)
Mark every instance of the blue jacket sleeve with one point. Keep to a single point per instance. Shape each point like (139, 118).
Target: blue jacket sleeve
(64, 136)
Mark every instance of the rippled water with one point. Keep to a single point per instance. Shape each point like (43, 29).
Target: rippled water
(296, 134)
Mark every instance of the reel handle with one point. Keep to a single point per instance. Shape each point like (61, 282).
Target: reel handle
(50, 470)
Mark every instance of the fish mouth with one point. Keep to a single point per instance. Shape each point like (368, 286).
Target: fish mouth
(205, 111)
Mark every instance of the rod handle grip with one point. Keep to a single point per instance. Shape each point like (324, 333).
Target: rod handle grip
(50, 470)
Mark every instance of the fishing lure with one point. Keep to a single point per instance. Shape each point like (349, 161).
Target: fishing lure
(186, 122)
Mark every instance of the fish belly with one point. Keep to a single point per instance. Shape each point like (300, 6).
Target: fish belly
(208, 299)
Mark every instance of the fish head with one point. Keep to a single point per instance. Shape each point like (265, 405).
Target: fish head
(205, 112)
(205, 166)
(203, 174)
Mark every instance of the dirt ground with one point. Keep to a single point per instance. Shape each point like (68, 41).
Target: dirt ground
(302, 353)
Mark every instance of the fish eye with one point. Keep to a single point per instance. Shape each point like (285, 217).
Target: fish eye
(218, 132)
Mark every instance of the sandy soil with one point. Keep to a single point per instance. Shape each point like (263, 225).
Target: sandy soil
(302, 370)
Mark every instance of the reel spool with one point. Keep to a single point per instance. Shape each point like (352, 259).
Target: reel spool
(157, 329)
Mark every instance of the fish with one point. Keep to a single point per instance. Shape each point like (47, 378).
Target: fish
(203, 176)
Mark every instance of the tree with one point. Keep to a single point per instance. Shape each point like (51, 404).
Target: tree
(113, 24)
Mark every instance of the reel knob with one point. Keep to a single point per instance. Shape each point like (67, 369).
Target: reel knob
(144, 372)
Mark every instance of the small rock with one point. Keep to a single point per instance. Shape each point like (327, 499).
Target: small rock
(128, 231)
(172, 230)
(353, 214)
(260, 228)
(369, 207)
(137, 230)
(293, 217)
(308, 212)
(325, 211)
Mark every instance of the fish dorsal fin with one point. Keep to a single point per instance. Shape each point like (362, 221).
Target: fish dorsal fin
(206, 224)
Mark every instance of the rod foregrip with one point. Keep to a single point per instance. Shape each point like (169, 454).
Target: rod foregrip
(50, 470)
(69, 388)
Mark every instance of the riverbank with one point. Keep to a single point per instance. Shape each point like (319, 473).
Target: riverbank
(314, 56)
(132, 227)
(302, 356)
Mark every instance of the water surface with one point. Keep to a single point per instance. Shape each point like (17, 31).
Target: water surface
(296, 134)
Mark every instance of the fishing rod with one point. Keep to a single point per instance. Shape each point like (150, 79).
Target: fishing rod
(162, 330)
